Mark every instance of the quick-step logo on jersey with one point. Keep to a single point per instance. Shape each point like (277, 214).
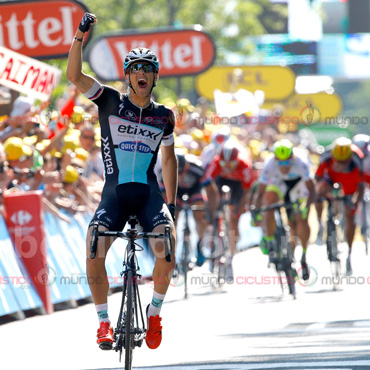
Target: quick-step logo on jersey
(131, 146)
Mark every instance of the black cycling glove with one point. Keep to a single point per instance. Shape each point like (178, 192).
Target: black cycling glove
(171, 207)
(87, 20)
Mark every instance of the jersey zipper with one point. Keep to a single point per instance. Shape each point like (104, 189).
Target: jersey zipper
(136, 145)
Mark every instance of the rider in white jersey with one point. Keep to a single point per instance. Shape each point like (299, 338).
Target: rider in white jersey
(286, 176)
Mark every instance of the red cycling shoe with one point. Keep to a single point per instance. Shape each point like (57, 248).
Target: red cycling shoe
(105, 336)
(154, 333)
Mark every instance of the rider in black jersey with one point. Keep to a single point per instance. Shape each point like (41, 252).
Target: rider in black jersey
(133, 127)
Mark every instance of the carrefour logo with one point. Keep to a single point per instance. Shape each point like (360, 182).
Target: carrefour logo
(131, 146)
(21, 218)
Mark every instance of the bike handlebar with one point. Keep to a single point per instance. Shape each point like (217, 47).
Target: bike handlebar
(341, 198)
(273, 206)
(132, 235)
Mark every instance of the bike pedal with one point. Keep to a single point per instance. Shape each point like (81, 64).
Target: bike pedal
(106, 346)
(138, 343)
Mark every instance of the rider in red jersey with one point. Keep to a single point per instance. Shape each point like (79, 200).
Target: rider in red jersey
(341, 164)
(232, 167)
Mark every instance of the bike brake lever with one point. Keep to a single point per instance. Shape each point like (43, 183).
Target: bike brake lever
(94, 241)
(168, 243)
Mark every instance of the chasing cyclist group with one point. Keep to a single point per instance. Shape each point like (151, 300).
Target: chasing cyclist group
(288, 175)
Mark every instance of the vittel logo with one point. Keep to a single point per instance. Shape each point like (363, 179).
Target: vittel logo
(131, 146)
(39, 28)
(26, 32)
(181, 52)
(21, 218)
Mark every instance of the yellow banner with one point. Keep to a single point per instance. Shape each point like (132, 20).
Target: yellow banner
(306, 109)
(276, 82)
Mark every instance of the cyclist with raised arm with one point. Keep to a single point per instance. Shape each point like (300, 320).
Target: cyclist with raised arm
(341, 164)
(232, 167)
(133, 127)
(285, 176)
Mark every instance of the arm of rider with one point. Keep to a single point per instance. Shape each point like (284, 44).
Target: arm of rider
(360, 194)
(243, 201)
(256, 216)
(74, 68)
(305, 207)
(169, 172)
(213, 197)
(260, 191)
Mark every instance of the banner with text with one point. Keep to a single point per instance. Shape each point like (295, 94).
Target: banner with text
(25, 223)
(40, 29)
(27, 75)
(180, 52)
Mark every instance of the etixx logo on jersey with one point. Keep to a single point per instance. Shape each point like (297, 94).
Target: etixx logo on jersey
(131, 146)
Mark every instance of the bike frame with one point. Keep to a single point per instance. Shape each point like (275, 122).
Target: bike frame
(332, 237)
(184, 262)
(220, 236)
(129, 332)
(284, 252)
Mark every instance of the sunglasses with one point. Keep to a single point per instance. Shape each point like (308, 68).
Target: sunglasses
(228, 164)
(145, 67)
(284, 163)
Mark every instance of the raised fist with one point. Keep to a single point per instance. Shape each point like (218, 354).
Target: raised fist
(87, 20)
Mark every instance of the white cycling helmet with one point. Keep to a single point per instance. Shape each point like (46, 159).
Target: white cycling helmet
(362, 141)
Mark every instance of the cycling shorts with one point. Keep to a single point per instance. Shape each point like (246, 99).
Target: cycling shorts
(295, 193)
(236, 189)
(144, 201)
(194, 193)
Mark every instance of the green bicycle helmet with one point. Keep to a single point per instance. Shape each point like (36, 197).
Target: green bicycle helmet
(283, 149)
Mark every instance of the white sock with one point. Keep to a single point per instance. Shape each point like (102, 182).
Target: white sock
(156, 304)
(102, 310)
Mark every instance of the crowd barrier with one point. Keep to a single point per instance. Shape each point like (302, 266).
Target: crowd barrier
(64, 273)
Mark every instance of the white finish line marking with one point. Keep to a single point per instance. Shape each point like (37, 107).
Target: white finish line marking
(322, 365)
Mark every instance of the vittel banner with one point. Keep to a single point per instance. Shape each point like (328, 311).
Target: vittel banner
(40, 29)
(180, 52)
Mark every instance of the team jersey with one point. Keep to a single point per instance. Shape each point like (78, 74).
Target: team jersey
(130, 135)
(366, 167)
(195, 175)
(207, 155)
(299, 170)
(349, 177)
(241, 172)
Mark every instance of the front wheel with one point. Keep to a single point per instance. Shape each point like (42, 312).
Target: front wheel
(332, 248)
(291, 274)
(129, 322)
(185, 262)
